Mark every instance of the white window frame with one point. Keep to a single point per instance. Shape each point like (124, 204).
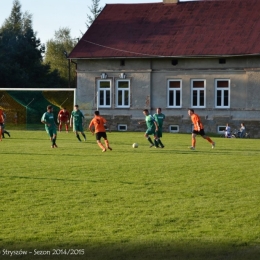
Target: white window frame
(221, 129)
(170, 89)
(124, 90)
(198, 90)
(121, 127)
(222, 89)
(104, 90)
(174, 131)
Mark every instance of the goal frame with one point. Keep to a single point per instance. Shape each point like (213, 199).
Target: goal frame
(43, 89)
(24, 115)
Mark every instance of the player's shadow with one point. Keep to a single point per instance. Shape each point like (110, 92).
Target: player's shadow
(41, 178)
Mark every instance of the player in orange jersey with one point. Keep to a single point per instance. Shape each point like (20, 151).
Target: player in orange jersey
(63, 118)
(2, 121)
(99, 123)
(198, 129)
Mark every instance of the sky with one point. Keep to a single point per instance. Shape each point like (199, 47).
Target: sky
(49, 16)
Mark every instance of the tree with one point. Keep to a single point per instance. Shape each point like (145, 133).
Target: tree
(21, 54)
(56, 56)
(95, 11)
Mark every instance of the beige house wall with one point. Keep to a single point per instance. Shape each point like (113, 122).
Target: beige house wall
(149, 90)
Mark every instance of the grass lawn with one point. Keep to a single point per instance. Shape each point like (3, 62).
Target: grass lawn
(75, 202)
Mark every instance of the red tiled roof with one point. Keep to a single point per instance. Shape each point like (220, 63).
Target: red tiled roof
(198, 28)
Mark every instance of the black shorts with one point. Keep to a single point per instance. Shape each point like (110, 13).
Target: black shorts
(201, 132)
(99, 135)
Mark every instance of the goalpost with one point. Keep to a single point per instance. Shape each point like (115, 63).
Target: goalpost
(24, 106)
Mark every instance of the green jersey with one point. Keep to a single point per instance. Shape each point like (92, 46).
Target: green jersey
(77, 117)
(150, 122)
(159, 118)
(49, 119)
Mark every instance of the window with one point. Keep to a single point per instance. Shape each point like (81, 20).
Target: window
(173, 128)
(220, 129)
(174, 62)
(104, 93)
(198, 90)
(122, 127)
(174, 93)
(123, 93)
(222, 93)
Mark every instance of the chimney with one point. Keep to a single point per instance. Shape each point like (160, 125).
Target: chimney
(170, 1)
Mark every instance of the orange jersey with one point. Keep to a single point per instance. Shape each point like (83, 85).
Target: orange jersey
(196, 121)
(1, 116)
(98, 122)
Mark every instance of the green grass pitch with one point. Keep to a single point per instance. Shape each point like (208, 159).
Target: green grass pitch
(75, 202)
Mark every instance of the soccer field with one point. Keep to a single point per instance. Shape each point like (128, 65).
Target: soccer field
(75, 202)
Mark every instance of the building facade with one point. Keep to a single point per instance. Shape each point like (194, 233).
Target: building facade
(121, 76)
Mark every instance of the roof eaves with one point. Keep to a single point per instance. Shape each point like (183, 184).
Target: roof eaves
(170, 57)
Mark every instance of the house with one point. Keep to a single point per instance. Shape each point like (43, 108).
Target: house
(174, 55)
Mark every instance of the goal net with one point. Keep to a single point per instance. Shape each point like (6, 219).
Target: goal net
(25, 107)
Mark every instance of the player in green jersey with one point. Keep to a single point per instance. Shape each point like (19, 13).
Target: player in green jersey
(159, 118)
(50, 126)
(77, 117)
(152, 127)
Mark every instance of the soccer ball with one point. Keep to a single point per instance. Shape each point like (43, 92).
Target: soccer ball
(135, 145)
